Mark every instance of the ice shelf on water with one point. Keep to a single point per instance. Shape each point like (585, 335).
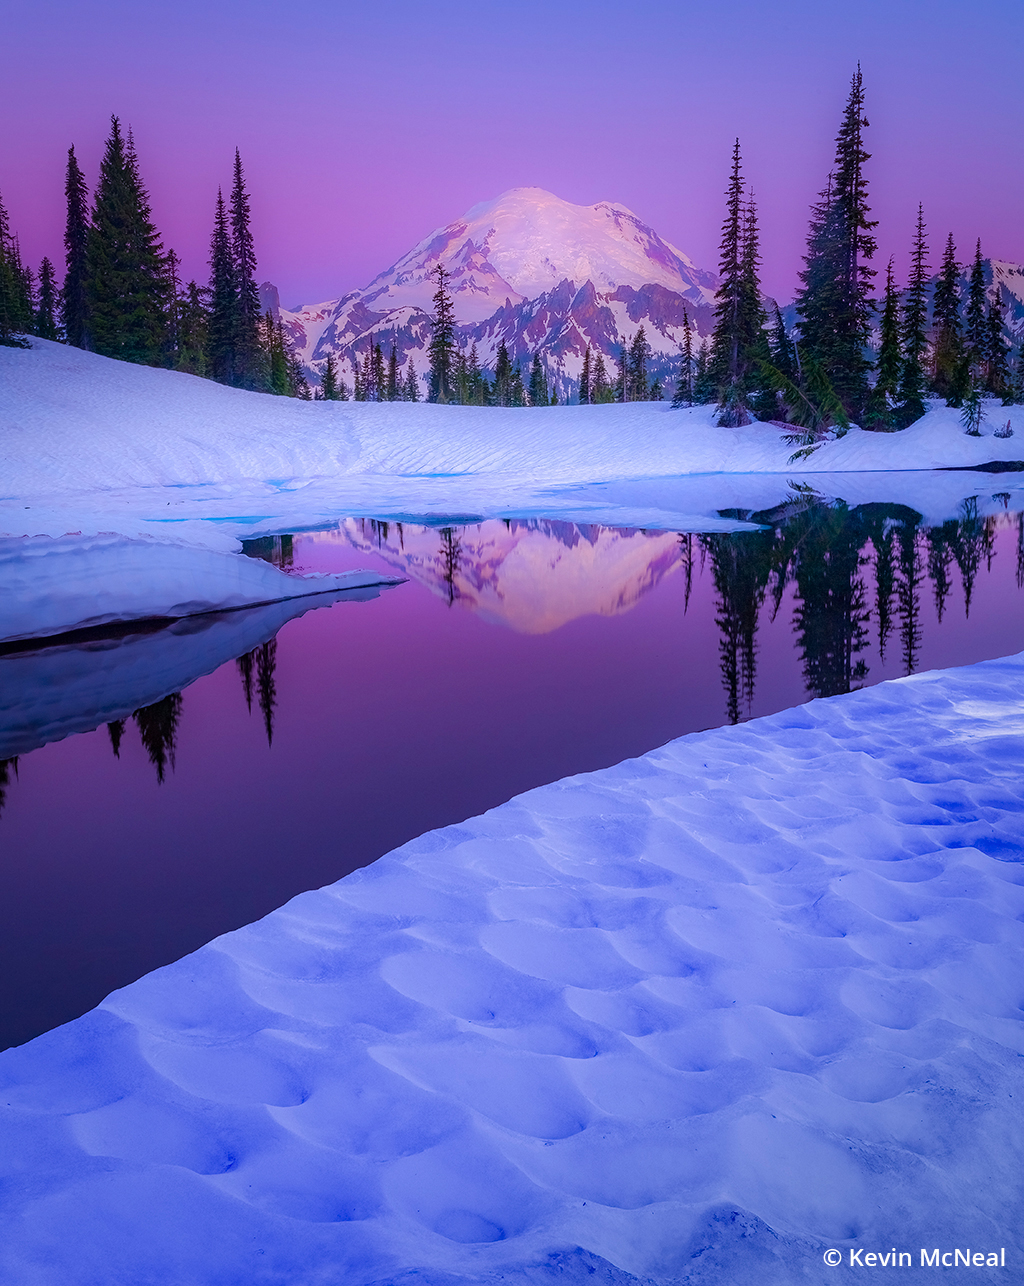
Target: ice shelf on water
(55, 586)
(698, 1017)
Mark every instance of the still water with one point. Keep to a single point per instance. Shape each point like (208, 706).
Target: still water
(513, 654)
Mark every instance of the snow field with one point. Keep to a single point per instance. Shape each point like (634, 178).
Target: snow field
(697, 1017)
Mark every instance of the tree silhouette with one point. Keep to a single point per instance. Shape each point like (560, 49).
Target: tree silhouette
(8, 767)
(158, 727)
(266, 686)
(451, 551)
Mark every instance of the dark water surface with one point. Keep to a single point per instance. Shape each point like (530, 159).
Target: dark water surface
(514, 654)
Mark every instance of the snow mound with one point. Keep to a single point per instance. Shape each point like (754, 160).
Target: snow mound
(700, 1017)
(55, 586)
(92, 445)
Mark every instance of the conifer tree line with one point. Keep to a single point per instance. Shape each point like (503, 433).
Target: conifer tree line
(933, 341)
(122, 295)
(457, 378)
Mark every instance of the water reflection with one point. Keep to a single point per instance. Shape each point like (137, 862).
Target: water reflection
(50, 688)
(826, 554)
(853, 575)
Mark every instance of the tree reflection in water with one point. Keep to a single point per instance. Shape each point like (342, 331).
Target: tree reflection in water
(158, 728)
(821, 551)
(8, 768)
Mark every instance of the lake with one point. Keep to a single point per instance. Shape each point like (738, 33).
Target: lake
(328, 730)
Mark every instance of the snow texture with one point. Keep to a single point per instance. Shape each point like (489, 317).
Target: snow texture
(90, 445)
(76, 582)
(695, 1018)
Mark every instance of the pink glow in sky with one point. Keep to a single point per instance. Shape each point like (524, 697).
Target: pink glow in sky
(363, 127)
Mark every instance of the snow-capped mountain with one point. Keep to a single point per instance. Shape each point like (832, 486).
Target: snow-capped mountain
(529, 268)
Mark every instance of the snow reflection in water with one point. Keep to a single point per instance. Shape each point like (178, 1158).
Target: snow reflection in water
(200, 803)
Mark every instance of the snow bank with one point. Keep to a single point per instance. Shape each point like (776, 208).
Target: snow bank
(54, 586)
(92, 445)
(702, 1016)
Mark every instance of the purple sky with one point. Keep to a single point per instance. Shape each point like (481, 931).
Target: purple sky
(363, 127)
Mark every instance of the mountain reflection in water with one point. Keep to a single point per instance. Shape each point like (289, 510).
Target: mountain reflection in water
(849, 569)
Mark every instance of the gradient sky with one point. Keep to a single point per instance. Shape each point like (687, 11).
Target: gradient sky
(364, 126)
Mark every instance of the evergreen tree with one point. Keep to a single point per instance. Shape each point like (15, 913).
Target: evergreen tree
(834, 303)
(393, 394)
(329, 382)
(621, 387)
(442, 342)
(380, 379)
(15, 302)
(221, 330)
(585, 379)
(636, 367)
(538, 383)
(411, 388)
(915, 338)
(46, 308)
(997, 370)
(193, 325)
(517, 391)
(476, 383)
(881, 406)
(274, 346)
(727, 356)
(503, 377)
(973, 412)
(946, 323)
(683, 395)
(125, 284)
(1018, 378)
(782, 349)
(600, 388)
(76, 237)
(297, 378)
(703, 378)
(249, 365)
(976, 330)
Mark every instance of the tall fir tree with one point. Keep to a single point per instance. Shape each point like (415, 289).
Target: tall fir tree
(538, 390)
(600, 388)
(125, 285)
(683, 395)
(380, 379)
(73, 307)
(727, 339)
(834, 303)
(393, 394)
(637, 368)
(46, 308)
(502, 389)
(249, 362)
(913, 378)
(946, 325)
(442, 340)
(977, 300)
(997, 368)
(411, 387)
(223, 296)
(585, 379)
(881, 406)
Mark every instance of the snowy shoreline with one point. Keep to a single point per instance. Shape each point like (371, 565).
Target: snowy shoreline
(90, 445)
(700, 1016)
